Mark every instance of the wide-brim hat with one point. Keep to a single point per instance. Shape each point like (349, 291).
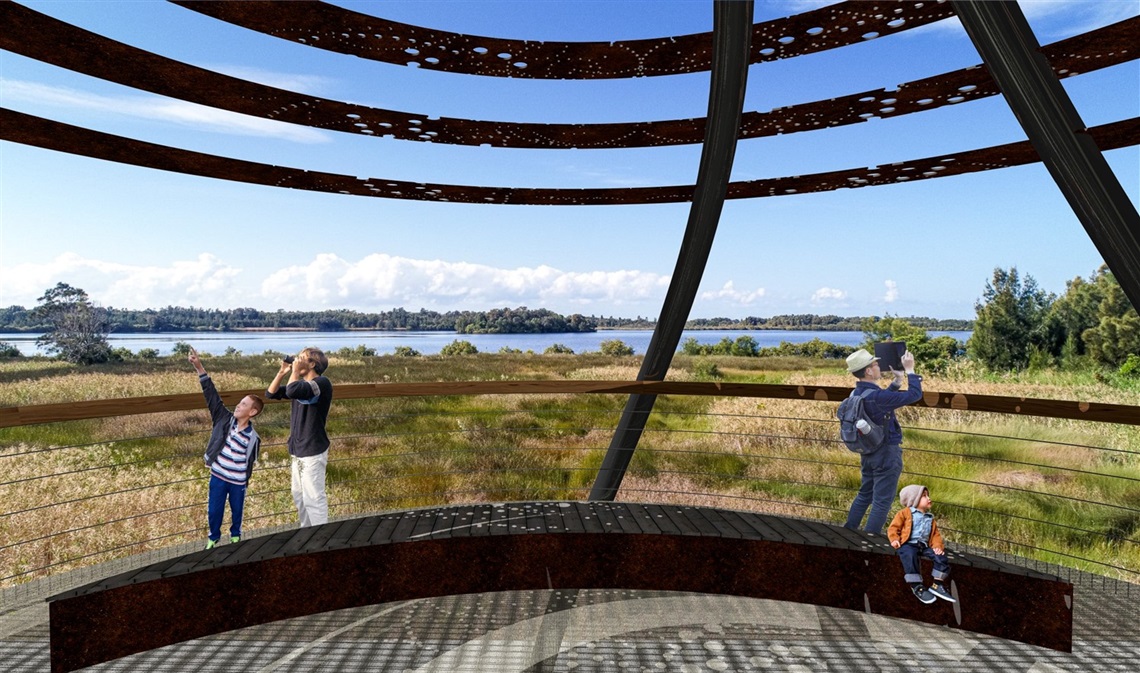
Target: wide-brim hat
(860, 359)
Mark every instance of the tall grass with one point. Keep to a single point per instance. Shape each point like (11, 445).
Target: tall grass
(77, 493)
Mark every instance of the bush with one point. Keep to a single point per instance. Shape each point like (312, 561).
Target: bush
(8, 350)
(459, 347)
(406, 352)
(148, 354)
(232, 352)
(507, 350)
(558, 349)
(615, 348)
(181, 348)
(360, 351)
(1131, 366)
(706, 369)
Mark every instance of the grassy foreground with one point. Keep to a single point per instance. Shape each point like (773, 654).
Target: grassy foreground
(77, 493)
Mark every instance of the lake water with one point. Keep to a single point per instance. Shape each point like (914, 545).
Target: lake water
(429, 343)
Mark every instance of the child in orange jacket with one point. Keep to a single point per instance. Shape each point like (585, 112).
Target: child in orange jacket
(914, 533)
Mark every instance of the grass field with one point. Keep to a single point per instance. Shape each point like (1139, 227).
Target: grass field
(75, 493)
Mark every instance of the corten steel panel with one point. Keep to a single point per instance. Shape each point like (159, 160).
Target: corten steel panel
(91, 627)
(326, 26)
(40, 37)
(39, 132)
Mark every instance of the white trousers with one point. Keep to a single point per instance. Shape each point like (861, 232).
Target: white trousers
(309, 489)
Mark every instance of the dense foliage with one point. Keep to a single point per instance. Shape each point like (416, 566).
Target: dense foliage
(1020, 326)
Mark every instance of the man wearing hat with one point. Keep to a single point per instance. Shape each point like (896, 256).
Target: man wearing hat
(881, 468)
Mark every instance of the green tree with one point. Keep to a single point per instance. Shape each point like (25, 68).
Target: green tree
(1010, 321)
(745, 346)
(1074, 312)
(930, 354)
(615, 348)
(76, 328)
(558, 349)
(459, 347)
(8, 350)
(180, 349)
(1117, 334)
(405, 352)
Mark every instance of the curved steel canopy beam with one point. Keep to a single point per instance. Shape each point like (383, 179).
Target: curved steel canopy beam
(38, 36)
(35, 35)
(39, 132)
(726, 102)
(325, 26)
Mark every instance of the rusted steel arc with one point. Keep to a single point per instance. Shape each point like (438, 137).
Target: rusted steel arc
(82, 410)
(333, 28)
(39, 132)
(39, 37)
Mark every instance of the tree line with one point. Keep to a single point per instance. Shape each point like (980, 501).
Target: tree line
(521, 320)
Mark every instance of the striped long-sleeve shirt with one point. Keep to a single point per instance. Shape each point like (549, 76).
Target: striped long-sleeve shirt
(232, 462)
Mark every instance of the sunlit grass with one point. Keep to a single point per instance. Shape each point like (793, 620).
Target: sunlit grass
(83, 492)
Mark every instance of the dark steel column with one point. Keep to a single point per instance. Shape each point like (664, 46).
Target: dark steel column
(732, 40)
(1010, 50)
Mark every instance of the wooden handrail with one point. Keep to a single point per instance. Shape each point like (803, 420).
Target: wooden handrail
(129, 406)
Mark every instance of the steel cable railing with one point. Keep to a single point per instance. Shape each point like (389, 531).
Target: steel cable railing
(472, 454)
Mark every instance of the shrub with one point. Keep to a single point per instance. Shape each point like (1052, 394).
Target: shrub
(406, 352)
(181, 348)
(360, 351)
(1131, 366)
(507, 350)
(615, 348)
(232, 352)
(148, 353)
(8, 350)
(558, 349)
(459, 347)
(706, 369)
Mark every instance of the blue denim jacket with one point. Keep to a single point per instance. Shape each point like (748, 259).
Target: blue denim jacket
(923, 523)
(881, 405)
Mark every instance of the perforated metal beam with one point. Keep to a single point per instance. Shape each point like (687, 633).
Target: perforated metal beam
(1054, 127)
(731, 42)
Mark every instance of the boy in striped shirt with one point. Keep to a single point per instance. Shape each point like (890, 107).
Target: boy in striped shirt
(230, 454)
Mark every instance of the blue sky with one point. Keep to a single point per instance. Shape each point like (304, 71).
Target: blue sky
(139, 238)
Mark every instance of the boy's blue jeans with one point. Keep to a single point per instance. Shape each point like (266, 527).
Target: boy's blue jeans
(878, 489)
(909, 555)
(220, 490)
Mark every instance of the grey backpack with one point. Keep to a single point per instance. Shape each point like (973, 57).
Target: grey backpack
(857, 429)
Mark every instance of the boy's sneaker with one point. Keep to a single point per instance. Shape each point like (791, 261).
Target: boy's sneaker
(235, 538)
(940, 590)
(923, 594)
(211, 543)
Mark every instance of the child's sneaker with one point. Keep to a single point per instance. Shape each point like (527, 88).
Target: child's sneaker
(940, 590)
(235, 538)
(923, 594)
(210, 544)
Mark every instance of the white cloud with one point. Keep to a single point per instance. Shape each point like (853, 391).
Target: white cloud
(379, 281)
(159, 108)
(287, 81)
(205, 282)
(729, 292)
(828, 294)
(892, 294)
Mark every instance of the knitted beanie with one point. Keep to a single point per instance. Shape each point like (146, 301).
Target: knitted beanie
(910, 495)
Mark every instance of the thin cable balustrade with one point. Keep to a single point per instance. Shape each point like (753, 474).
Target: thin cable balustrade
(73, 505)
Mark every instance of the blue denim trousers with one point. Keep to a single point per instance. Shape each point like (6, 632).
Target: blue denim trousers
(909, 555)
(880, 471)
(220, 491)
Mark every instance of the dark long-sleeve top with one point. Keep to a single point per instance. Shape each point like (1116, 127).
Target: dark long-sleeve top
(881, 404)
(308, 412)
